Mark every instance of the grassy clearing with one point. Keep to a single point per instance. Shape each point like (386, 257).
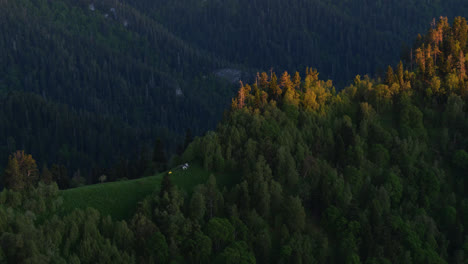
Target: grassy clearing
(119, 199)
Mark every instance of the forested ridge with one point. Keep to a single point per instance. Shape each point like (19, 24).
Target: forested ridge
(375, 173)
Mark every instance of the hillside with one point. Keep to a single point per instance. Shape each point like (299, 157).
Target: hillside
(120, 199)
(153, 69)
(108, 61)
(373, 174)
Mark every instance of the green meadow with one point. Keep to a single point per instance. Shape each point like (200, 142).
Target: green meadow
(120, 199)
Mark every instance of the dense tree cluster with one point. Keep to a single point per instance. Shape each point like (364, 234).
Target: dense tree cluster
(378, 169)
(373, 174)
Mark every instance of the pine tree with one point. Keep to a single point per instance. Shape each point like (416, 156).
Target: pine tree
(166, 185)
(291, 97)
(241, 97)
(389, 76)
(197, 206)
(421, 59)
(461, 66)
(399, 76)
(285, 81)
(257, 97)
(46, 175)
(274, 90)
(263, 80)
(288, 87)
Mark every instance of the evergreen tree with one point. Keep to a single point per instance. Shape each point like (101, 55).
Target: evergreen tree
(389, 76)
(197, 206)
(274, 90)
(46, 175)
(166, 185)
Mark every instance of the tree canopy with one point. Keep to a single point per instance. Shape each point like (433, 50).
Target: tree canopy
(375, 173)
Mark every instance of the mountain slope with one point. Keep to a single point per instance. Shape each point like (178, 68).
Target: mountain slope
(339, 38)
(111, 61)
(375, 173)
(145, 64)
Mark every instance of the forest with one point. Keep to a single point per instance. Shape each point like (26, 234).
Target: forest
(340, 38)
(97, 83)
(373, 173)
(89, 88)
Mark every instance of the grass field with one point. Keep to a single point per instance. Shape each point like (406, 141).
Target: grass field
(119, 199)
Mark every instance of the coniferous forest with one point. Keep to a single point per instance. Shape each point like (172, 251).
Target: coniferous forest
(299, 169)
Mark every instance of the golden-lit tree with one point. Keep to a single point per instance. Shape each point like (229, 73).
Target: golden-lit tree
(297, 81)
(274, 89)
(389, 76)
(263, 80)
(21, 171)
(285, 81)
(420, 59)
(241, 97)
(461, 66)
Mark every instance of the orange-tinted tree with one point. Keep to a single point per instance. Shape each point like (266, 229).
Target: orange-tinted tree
(21, 171)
